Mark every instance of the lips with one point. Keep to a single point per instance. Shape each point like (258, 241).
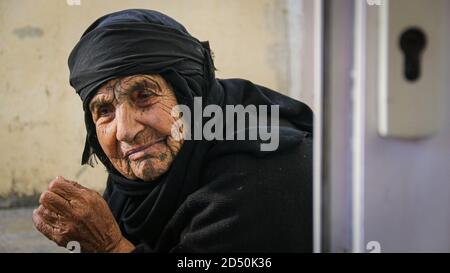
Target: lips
(139, 152)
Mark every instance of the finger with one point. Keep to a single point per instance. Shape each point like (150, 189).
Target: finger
(65, 188)
(54, 202)
(47, 230)
(48, 216)
(74, 183)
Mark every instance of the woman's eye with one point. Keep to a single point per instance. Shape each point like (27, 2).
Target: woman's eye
(105, 110)
(142, 97)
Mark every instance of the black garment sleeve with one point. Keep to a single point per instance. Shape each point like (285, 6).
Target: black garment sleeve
(142, 248)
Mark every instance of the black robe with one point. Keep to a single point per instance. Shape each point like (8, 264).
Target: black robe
(244, 204)
(243, 200)
(217, 196)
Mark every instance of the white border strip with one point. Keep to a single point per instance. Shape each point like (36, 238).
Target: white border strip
(359, 73)
(318, 123)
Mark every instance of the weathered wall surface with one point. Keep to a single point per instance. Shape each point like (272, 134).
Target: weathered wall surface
(41, 121)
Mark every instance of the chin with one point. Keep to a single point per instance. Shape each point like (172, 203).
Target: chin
(151, 169)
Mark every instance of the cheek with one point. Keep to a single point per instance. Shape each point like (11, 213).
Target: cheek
(159, 119)
(106, 135)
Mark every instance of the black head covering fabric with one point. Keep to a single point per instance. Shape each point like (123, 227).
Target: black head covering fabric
(141, 41)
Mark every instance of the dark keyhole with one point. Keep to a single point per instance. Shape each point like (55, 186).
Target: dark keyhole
(413, 42)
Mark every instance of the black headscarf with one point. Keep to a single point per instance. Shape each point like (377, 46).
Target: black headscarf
(138, 41)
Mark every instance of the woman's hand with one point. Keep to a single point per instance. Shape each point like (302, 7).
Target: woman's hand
(71, 212)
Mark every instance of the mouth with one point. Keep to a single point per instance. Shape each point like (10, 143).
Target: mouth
(139, 152)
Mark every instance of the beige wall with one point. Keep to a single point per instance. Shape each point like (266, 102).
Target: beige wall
(41, 125)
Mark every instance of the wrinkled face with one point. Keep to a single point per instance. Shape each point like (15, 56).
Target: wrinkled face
(133, 120)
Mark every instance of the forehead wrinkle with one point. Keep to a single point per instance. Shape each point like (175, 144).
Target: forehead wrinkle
(139, 84)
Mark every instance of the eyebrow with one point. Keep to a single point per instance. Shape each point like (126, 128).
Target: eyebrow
(146, 84)
(142, 84)
(99, 101)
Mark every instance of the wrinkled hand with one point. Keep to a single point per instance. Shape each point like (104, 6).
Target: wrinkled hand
(71, 212)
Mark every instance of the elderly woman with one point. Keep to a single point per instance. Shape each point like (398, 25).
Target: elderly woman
(167, 193)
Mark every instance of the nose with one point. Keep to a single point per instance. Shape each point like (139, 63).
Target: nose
(127, 125)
